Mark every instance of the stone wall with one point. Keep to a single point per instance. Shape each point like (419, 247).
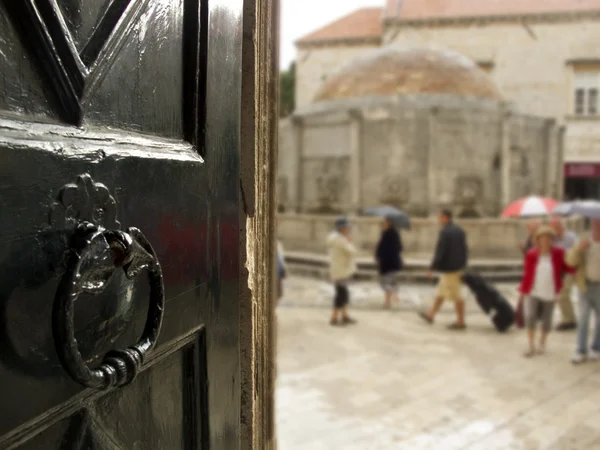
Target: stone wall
(531, 63)
(287, 175)
(527, 135)
(530, 60)
(394, 156)
(582, 140)
(315, 63)
(418, 153)
(487, 238)
(466, 162)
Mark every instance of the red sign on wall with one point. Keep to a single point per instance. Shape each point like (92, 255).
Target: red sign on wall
(582, 170)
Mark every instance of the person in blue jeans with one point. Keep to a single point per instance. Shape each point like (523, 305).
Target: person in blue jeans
(585, 258)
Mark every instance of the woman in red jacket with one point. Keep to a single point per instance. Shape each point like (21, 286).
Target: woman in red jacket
(542, 281)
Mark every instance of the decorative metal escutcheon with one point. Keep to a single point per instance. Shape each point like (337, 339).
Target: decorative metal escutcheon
(95, 253)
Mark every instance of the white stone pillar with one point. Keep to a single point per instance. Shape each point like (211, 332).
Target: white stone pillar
(432, 200)
(551, 158)
(506, 158)
(355, 177)
(560, 156)
(297, 137)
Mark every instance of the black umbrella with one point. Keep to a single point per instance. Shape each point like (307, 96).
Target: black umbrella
(398, 218)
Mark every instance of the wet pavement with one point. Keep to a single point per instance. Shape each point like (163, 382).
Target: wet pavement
(393, 382)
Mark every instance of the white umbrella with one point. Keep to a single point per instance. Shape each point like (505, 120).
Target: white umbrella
(585, 208)
(531, 206)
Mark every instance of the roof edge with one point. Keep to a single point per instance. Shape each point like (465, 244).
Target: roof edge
(495, 18)
(360, 40)
(423, 101)
(306, 38)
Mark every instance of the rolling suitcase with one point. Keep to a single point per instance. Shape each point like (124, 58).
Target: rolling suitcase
(503, 315)
(480, 289)
(491, 301)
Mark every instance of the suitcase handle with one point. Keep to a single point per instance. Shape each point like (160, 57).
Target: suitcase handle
(94, 255)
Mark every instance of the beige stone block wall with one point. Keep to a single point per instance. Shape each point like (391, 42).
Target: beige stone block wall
(487, 238)
(582, 141)
(315, 64)
(530, 63)
(414, 159)
(530, 66)
(287, 161)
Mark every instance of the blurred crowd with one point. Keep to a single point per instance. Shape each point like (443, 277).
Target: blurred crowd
(556, 263)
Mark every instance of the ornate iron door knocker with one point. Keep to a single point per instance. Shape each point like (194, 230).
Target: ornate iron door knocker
(94, 254)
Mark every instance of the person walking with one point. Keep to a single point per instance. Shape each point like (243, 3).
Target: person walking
(584, 256)
(281, 269)
(450, 260)
(527, 245)
(541, 283)
(389, 260)
(565, 239)
(342, 255)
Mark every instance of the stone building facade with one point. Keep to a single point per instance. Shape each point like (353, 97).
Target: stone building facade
(543, 56)
(324, 51)
(419, 129)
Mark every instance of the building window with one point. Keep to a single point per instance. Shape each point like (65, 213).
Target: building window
(593, 101)
(579, 101)
(586, 86)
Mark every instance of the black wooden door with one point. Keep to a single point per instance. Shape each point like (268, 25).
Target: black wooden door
(117, 114)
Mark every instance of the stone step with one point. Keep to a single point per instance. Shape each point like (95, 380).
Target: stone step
(410, 263)
(416, 277)
(317, 266)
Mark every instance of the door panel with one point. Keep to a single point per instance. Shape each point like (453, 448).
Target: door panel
(154, 103)
(133, 93)
(171, 418)
(82, 22)
(21, 82)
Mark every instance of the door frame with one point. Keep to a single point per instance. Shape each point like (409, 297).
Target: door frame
(258, 175)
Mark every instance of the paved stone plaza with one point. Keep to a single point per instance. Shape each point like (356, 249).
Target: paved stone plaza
(393, 382)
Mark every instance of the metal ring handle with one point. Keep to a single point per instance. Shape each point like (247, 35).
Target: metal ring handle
(96, 253)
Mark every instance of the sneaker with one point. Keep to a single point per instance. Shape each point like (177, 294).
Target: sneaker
(594, 356)
(425, 317)
(578, 358)
(348, 321)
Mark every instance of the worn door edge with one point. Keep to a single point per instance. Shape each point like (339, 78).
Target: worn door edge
(258, 173)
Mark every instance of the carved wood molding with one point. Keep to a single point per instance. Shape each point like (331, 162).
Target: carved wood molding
(74, 74)
(84, 200)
